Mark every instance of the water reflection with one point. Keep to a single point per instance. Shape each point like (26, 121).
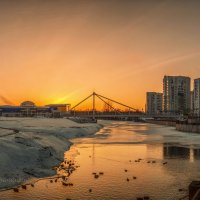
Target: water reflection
(196, 154)
(170, 151)
(154, 151)
(117, 147)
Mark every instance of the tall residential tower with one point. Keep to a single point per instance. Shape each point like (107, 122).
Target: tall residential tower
(176, 94)
(153, 103)
(197, 96)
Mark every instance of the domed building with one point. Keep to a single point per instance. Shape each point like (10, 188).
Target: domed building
(29, 109)
(27, 104)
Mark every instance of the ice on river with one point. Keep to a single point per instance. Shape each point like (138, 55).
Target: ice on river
(29, 147)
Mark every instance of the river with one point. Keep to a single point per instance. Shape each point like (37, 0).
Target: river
(135, 160)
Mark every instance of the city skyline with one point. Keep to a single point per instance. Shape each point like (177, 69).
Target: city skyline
(60, 51)
(100, 107)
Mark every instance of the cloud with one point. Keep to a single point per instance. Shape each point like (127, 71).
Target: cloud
(162, 62)
(5, 100)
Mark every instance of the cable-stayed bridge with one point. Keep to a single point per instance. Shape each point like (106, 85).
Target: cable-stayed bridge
(114, 113)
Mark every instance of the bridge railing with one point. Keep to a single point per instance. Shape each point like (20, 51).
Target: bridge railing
(103, 113)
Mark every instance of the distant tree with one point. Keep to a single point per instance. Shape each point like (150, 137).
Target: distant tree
(107, 106)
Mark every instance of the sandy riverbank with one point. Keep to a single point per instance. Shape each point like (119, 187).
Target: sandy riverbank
(29, 147)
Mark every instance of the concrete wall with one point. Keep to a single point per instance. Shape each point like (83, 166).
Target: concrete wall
(192, 128)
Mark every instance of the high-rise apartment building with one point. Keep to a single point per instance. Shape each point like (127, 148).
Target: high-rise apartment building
(197, 96)
(153, 103)
(192, 102)
(176, 94)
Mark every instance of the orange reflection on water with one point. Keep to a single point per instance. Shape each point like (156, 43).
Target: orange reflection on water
(115, 149)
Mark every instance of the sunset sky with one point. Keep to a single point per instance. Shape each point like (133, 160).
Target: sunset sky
(60, 51)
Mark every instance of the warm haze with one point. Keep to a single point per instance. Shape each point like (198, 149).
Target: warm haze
(60, 51)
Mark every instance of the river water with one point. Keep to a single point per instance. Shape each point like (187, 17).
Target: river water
(136, 160)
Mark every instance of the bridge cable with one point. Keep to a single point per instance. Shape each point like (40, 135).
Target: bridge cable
(81, 102)
(107, 103)
(117, 102)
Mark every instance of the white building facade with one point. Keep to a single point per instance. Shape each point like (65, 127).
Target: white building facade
(153, 103)
(197, 96)
(176, 94)
(192, 102)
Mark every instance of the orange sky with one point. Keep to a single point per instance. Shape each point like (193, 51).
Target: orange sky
(59, 51)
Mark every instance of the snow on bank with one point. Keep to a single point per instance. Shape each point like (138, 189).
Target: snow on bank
(29, 147)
